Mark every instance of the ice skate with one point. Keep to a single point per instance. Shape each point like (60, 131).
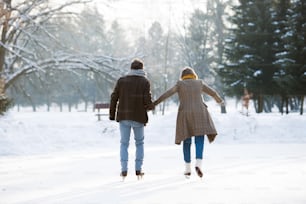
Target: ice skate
(139, 174)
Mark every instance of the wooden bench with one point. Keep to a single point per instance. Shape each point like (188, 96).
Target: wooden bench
(100, 106)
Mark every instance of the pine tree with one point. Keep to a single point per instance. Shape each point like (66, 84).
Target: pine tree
(282, 39)
(297, 51)
(119, 45)
(154, 48)
(250, 51)
(199, 43)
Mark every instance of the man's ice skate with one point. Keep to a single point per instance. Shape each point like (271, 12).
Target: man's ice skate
(123, 175)
(139, 174)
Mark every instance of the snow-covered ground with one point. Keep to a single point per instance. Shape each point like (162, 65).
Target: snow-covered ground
(71, 158)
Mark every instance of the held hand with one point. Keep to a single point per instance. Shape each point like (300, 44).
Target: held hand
(150, 107)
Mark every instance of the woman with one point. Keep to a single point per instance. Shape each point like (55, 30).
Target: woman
(193, 119)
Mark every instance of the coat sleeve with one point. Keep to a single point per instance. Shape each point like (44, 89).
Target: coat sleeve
(210, 91)
(166, 95)
(113, 102)
(148, 97)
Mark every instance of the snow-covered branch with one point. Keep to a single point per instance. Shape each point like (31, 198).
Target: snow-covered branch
(23, 22)
(69, 62)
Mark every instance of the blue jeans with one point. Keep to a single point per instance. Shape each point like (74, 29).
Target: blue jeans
(125, 132)
(199, 146)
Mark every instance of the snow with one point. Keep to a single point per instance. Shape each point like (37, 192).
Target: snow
(71, 158)
(236, 82)
(248, 56)
(257, 73)
(251, 24)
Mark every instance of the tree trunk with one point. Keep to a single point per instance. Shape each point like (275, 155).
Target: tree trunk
(5, 14)
(32, 104)
(260, 103)
(165, 67)
(302, 105)
(86, 105)
(282, 105)
(223, 109)
(287, 105)
(61, 106)
(69, 106)
(48, 103)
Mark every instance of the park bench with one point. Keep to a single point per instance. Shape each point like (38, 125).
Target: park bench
(100, 106)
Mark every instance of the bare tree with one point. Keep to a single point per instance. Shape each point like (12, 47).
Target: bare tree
(23, 50)
(29, 44)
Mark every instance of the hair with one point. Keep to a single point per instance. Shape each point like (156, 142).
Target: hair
(137, 64)
(188, 71)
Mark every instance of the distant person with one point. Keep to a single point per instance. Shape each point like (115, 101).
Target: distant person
(129, 101)
(193, 119)
(245, 101)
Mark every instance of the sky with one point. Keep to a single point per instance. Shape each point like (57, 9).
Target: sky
(140, 14)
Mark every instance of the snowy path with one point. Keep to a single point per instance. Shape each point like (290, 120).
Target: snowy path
(249, 173)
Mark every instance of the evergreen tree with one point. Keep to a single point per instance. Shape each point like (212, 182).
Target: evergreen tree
(297, 51)
(199, 43)
(282, 29)
(155, 52)
(155, 45)
(118, 45)
(88, 32)
(219, 29)
(250, 51)
(219, 36)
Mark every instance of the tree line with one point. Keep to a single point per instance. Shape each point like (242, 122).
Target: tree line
(265, 52)
(62, 57)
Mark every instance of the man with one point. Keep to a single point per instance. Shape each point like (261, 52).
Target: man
(129, 103)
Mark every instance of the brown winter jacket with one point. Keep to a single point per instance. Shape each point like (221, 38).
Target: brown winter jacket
(193, 118)
(130, 98)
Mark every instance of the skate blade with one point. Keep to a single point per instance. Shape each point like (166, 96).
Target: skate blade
(199, 172)
(187, 175)
(123, 178)
(139, 177)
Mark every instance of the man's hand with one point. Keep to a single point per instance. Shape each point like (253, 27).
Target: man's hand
(150, 107)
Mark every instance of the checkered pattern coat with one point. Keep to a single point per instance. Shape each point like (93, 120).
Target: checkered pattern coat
(193, 118)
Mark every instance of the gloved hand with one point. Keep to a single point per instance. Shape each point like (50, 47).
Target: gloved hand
(150, 107)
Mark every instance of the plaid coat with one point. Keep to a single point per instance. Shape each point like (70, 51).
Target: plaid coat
(130, 99)
(193, 118)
